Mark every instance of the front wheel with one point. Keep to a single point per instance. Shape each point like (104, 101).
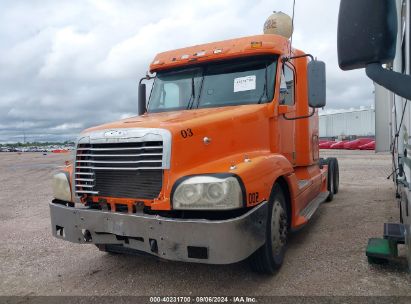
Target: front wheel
(270, 256)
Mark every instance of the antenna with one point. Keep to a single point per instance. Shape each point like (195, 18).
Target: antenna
(292, 33)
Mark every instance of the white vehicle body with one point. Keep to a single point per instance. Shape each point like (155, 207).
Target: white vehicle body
(393, 122)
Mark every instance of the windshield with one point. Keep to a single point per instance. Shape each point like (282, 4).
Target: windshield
(219, 84)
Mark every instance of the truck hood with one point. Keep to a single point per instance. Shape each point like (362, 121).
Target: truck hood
(171, 120)
(231, 131)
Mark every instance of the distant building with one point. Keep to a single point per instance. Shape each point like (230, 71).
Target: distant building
(347, 123)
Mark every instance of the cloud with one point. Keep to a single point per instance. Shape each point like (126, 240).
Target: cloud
(68, 65)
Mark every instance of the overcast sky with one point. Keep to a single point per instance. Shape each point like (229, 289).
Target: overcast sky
(68, 65)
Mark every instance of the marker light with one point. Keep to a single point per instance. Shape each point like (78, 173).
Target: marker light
(256, 44)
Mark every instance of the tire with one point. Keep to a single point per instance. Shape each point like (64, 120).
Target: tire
(336, 176)
(330, 180)
(269, 258)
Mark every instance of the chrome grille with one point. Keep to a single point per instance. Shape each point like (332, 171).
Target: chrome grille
(129, 169)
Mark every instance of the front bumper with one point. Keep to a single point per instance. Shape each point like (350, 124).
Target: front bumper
(200, 241)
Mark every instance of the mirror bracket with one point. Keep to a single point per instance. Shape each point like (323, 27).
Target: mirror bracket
(142, 98)
(396, 82)
(287, 59)
(300, 117)
(147, 77)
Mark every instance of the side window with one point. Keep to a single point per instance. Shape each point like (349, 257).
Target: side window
(170, 96)
(287, 86)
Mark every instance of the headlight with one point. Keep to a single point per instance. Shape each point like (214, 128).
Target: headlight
(208, 193)
(61, 187)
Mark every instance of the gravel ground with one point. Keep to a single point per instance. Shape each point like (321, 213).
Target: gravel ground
(327, 257)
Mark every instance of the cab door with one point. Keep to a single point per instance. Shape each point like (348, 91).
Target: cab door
(286, 102)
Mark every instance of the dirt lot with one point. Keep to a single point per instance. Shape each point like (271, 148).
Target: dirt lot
(325, 258)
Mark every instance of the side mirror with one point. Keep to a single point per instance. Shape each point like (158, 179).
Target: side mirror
(142, 106)
(367, 33)
(316, 84)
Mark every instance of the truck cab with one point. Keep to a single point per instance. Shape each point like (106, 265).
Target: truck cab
(220, 165)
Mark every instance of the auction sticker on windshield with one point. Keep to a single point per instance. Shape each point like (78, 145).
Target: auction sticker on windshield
(246, 83)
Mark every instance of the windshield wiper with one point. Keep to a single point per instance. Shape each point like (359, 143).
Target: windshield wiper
(201, 90)
(193, 94)
(265, 86)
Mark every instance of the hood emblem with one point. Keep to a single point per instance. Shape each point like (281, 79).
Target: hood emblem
(115, 133)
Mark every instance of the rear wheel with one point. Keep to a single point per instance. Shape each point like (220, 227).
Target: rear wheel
(330, 180)
(336, 176)
(270, 256)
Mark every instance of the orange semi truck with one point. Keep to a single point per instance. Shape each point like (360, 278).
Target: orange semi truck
(220, 165)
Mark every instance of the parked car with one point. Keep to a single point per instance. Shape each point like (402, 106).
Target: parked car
(338, 145)
(368, 146)
(326, 144)
(355, 144)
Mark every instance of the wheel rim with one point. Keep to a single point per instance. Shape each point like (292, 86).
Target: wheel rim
(278, 227)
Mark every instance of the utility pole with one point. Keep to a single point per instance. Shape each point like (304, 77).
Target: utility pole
(24, 136)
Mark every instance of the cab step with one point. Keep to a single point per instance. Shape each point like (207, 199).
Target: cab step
(394, 232)
(381, 251)
(312, 206)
